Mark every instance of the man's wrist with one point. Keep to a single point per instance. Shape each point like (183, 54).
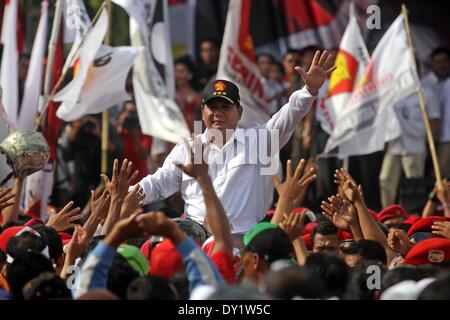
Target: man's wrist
(176, 235)
(204, 179)
(313, 92)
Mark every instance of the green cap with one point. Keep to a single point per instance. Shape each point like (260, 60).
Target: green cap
(135, 258)
(256, 230)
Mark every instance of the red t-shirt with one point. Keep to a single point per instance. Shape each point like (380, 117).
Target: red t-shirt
(224, 263)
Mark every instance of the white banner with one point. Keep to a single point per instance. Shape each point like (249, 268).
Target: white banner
(33, 84)
(69, 95)
(104, 85)
(362, 127)
(153, 79)
(9, 79)
(237, 66)
(76, 25)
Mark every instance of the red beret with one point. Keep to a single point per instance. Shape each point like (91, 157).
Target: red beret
(65, 237)
(309, 227)
(412, 219)
(307, 239)
(344, 235)
(33, 221)
(394, 210)
(424, 225)
(165, 260)
(434, 250)
(7, 234)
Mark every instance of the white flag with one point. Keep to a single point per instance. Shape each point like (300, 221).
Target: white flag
(9, 79)
(237, 64)
(77, 23)
(33, 84)
(351, 60)
(104, 85)
(93, 40)
(362, 127)
(153, 78)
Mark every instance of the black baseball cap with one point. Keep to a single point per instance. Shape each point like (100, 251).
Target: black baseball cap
(221, 89)
(268, 241)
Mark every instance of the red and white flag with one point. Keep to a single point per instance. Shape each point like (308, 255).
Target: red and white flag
(33, 83)
(351, 60)
(237, 63)
(9, 80)
(364, 124)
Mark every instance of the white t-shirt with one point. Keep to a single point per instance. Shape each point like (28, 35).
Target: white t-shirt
(445, 120)
(413, 137)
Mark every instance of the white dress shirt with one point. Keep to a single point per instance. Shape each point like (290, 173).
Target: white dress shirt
(409, 115)
(237, 180)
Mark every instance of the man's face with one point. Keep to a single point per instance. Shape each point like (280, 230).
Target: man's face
(441, 65)
(209, 53)
(352, 259)
(264, 64)
(326, 243)
(220, 114)
(290, 61)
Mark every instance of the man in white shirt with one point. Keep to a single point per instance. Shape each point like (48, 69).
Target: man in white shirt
(240, 182)
(440, 65)
(408, 151)
(435, 80)
(444, 138)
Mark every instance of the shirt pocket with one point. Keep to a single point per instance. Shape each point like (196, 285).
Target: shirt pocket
(238, 169)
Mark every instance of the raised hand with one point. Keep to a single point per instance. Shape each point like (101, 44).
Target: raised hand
(156, 223)
(320, 69)
(293, 225)
(6, 197)
(100, 202)
(340, 212)
(196, 166)
(77, 243)
(441, 228)
(348, 185)
(294, 183)
(119, 184)
(398, 241)
(133, 201)
(64, 219)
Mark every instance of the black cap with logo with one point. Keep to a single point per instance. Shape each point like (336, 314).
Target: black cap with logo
(221, 89)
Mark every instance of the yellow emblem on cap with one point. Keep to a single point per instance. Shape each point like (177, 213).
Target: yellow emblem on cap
(220, 86)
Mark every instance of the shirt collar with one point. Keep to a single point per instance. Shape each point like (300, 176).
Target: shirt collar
(238, 135)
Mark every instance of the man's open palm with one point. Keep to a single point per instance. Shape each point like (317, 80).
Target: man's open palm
(320, 70)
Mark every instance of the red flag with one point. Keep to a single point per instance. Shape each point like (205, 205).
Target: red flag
(53, 123)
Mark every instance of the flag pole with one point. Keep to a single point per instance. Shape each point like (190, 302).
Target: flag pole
(105, 114)
(47, 97)
(430, 140)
